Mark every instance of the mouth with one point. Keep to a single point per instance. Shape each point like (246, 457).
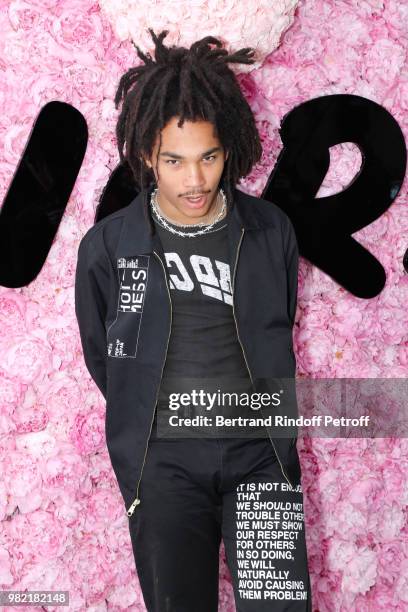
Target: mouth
(197, 201)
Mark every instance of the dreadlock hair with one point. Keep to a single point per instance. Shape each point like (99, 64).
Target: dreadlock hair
(192, 84)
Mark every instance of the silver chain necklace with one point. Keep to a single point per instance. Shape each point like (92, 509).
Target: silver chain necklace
(165, 222)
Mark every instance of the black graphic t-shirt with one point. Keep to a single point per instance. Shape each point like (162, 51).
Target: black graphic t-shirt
(203, 341)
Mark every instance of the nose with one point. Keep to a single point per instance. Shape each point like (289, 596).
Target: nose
(194, 182)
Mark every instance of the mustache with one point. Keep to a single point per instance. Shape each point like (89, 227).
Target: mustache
(194, 195)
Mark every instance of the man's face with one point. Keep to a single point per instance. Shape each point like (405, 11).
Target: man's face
(190, 163)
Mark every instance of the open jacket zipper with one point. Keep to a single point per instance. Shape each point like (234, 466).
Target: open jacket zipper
(136, 501)
(243, 352)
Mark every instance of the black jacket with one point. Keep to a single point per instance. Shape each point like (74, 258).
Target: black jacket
(124, 313)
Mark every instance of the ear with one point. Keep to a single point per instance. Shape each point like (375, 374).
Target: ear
(146, 161)
(226, 155)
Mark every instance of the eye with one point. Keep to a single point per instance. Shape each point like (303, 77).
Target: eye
(170, 161)
(210, 156)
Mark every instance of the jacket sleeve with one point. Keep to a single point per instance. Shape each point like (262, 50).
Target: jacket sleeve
(292, 267)
(91, 294)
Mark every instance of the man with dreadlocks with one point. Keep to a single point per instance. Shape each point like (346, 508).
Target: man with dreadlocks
(195, 281)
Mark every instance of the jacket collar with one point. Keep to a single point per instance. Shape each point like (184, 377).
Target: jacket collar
(138, 233)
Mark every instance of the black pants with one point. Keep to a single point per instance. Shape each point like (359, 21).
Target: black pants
(196, 491)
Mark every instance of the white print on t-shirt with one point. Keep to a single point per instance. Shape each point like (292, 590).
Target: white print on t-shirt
(213, 277)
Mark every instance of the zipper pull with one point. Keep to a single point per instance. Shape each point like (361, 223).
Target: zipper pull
(133, 506)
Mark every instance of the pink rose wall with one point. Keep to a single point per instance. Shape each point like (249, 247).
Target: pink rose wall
(63, 521)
